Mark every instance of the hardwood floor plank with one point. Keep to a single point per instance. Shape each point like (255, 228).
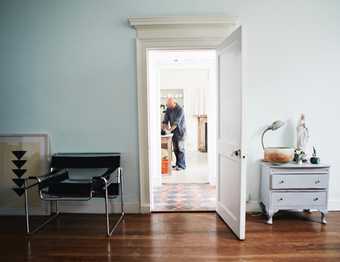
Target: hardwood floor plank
(173, 237)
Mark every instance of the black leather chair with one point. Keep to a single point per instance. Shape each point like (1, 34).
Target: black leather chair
(59, 185)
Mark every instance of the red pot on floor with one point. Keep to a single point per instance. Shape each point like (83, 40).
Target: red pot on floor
(165, 166)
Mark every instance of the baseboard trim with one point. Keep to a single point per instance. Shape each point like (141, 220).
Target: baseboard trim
(130, 208)
(334, 205)
(253, 206)
(145, 209)
(96, 207)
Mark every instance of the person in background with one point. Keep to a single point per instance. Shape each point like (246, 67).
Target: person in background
(174, 122)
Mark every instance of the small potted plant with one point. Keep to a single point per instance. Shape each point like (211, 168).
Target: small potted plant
(314, 159)
(299, 156)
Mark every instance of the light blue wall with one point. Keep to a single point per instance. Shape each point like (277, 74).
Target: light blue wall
(68, 68)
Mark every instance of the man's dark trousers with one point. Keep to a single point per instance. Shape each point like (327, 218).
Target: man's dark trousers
(179, 151)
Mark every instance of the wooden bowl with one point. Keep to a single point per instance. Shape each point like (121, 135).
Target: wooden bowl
(278, 154)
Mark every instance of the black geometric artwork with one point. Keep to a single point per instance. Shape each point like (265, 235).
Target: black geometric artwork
(19, 163)
(19, 172)
(19, 153)
(19, 190)
(19, 181)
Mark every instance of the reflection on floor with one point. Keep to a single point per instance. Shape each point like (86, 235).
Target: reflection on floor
(184, 197)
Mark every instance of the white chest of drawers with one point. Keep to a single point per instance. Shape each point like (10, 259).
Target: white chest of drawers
(293, 186)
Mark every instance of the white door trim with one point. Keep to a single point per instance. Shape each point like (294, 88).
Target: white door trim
(168, 33)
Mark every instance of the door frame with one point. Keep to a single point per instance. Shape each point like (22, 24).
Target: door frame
(177, 33)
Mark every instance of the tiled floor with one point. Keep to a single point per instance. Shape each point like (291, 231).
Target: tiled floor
(184, 197)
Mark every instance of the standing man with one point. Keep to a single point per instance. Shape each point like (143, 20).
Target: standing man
(174, 115)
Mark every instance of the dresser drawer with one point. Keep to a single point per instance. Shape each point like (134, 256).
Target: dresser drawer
(301, 181)
(298, 199)
(299, 170)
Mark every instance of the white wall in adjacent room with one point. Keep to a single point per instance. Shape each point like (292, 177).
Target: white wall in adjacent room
(194, 83)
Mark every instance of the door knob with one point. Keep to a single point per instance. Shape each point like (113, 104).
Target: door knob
(237, 153)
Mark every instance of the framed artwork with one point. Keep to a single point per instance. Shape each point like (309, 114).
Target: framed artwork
(22, 155)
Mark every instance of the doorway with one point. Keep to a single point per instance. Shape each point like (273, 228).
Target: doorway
(189, 78)
(223, 34)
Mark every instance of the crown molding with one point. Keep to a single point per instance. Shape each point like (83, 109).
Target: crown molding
(181, 20)
(185, 27)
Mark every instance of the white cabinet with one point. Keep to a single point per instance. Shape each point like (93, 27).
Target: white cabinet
(293, 186)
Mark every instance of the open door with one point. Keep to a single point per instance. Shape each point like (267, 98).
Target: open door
(231, 173)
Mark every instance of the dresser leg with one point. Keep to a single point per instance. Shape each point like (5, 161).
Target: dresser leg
(323, 217)
(270, 217)
(270, 220)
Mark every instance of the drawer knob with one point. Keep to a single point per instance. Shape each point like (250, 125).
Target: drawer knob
(315, 198)
(281, 198)
(282, 182)
(317, 182)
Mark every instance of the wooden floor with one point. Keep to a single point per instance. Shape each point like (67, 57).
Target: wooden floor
(176, 237)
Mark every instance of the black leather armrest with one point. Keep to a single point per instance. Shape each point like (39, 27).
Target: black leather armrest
(52, 178)
(106, 176)
(44, 180)
(39, 178)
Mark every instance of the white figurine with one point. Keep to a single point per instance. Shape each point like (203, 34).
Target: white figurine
(302, 134)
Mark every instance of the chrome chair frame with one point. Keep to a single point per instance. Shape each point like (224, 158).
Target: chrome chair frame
(106, 182)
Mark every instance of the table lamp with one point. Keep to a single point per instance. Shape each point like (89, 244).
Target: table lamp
(274, 126)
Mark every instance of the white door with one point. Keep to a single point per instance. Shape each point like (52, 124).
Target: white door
(231, 175)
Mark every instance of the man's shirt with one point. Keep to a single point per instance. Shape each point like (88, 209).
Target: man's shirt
(176, 117)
